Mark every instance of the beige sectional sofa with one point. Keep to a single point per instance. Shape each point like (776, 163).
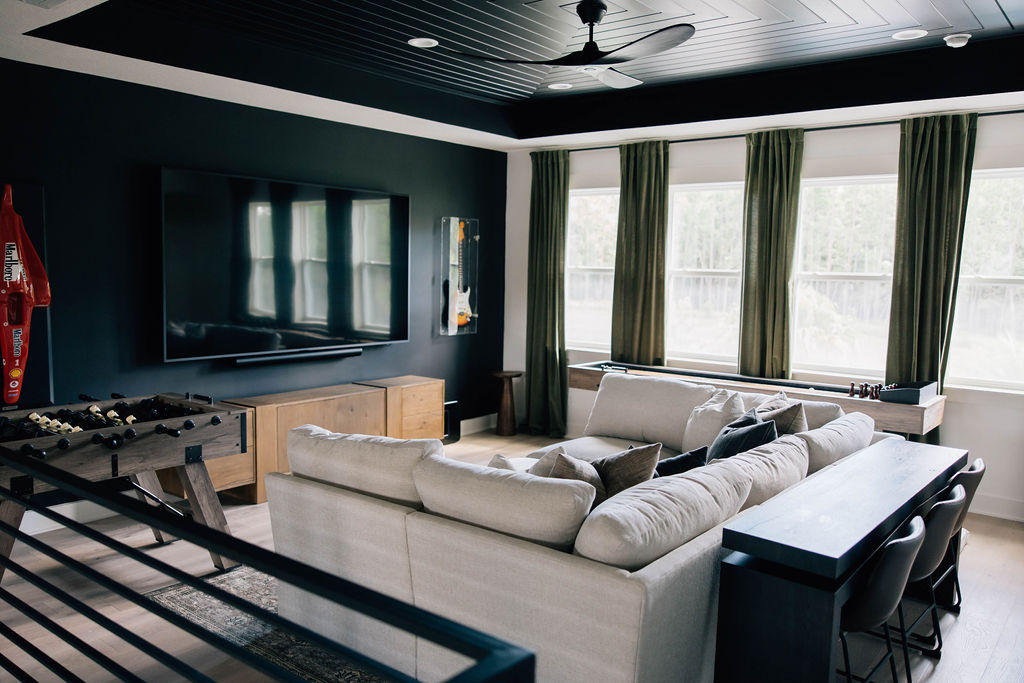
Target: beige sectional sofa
(626, 591)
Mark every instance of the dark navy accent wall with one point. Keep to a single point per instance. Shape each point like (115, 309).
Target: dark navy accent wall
(97, 146)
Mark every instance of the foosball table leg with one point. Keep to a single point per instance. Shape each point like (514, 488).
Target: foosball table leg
(206, 507)
(10, 513)
(151, 482)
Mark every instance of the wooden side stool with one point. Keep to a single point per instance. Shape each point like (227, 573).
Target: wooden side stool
(507, 406)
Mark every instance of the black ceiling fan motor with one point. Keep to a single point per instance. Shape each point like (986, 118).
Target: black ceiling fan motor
(591, 11)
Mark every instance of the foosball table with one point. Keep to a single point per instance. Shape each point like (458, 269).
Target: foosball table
(125, 438)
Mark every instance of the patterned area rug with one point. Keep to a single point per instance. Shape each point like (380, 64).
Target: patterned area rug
(294, 654)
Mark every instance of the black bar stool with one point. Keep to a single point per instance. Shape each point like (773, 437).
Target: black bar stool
(877, 598)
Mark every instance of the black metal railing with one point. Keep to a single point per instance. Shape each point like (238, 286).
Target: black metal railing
(495, 660)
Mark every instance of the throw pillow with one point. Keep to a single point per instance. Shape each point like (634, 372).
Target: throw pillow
(682, 462)
(544, 465)
(735, 439)
(627, 468)
(707, 419)
(500, 462)
(568, 467)
(788, 414)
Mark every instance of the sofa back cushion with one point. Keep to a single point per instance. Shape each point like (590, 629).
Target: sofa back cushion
(548, 511)
(378, 465)
(650, 519)
(646, 409)
(838, 439)
(773, 467)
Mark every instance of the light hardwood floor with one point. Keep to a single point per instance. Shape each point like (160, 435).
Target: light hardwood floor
(985, 643)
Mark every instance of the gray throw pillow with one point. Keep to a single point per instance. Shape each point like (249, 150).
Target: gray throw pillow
(568, 467)
(500, 462)
(622, 470)
(788, 414)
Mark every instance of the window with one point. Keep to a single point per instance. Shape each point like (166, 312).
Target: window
(309, 257)
(842, 274)
(590, 267)
(987, 346)
(261, 256)
(371, 254)
(703, 269)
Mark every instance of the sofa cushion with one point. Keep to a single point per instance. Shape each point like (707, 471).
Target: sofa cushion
(820, 413)
(773, 467)
(548, 511)
(682, 463)
(640, 525)
(627, 468)
(747, 432)
(645, 409)
(590, 448)
(378, 465)
(707, 419)
(543, 465)
(838, 439)
(788, 414)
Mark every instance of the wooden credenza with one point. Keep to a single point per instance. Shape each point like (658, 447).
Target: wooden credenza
(415, 406)
(405, 407)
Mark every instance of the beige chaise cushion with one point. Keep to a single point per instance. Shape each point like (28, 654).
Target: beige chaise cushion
(820, 413)
(644, 409)
(772, 467)
(378, 465)
(548, 511)
(650, 519)
(838, 439)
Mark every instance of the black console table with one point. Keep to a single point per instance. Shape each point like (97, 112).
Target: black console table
(795, 558)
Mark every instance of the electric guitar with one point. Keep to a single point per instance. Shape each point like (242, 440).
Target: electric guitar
(463, 313)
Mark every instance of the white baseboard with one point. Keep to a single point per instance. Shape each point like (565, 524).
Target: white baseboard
(998, 506)
(81, 511)
(479, 424)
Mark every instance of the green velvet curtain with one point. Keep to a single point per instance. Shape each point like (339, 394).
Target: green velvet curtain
(936, 158)
(547, 374)
(770, 202)
(638, 298)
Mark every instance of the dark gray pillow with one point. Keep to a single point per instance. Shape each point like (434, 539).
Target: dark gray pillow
(683, 462)
(627, 468)
(735, 439)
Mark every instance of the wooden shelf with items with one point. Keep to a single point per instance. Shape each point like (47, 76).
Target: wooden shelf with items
(415, 406)
(893, 417)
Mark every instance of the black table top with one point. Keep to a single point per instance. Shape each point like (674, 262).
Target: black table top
(832, 521)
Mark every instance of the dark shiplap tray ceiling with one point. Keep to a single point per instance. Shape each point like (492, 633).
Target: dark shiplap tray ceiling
(356, 51)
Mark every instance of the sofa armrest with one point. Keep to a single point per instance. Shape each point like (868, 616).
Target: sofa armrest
(680, 612)
(878, 436)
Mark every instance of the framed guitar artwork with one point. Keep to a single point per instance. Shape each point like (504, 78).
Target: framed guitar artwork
(460, 239)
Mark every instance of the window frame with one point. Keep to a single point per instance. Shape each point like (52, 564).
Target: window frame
(717, 361)
(797, 276)
(578, 192)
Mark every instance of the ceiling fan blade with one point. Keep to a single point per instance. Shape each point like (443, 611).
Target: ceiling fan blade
(613, 78)
(651, 44)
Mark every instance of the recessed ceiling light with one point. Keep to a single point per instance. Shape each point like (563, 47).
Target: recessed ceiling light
(423, 42)
(957, 39)
(559, 86)
(910, 34)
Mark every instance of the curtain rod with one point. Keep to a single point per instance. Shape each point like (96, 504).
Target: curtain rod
(806, 130)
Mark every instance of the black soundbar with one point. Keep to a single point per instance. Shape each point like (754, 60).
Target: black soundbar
(298, 355)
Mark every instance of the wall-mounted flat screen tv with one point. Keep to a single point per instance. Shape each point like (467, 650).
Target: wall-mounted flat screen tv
(261, 268)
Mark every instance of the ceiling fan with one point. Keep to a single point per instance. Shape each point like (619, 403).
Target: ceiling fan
(595, 62)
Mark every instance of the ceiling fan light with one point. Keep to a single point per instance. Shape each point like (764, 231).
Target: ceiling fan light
(559, 86)
(910, 34)
(424, 43)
